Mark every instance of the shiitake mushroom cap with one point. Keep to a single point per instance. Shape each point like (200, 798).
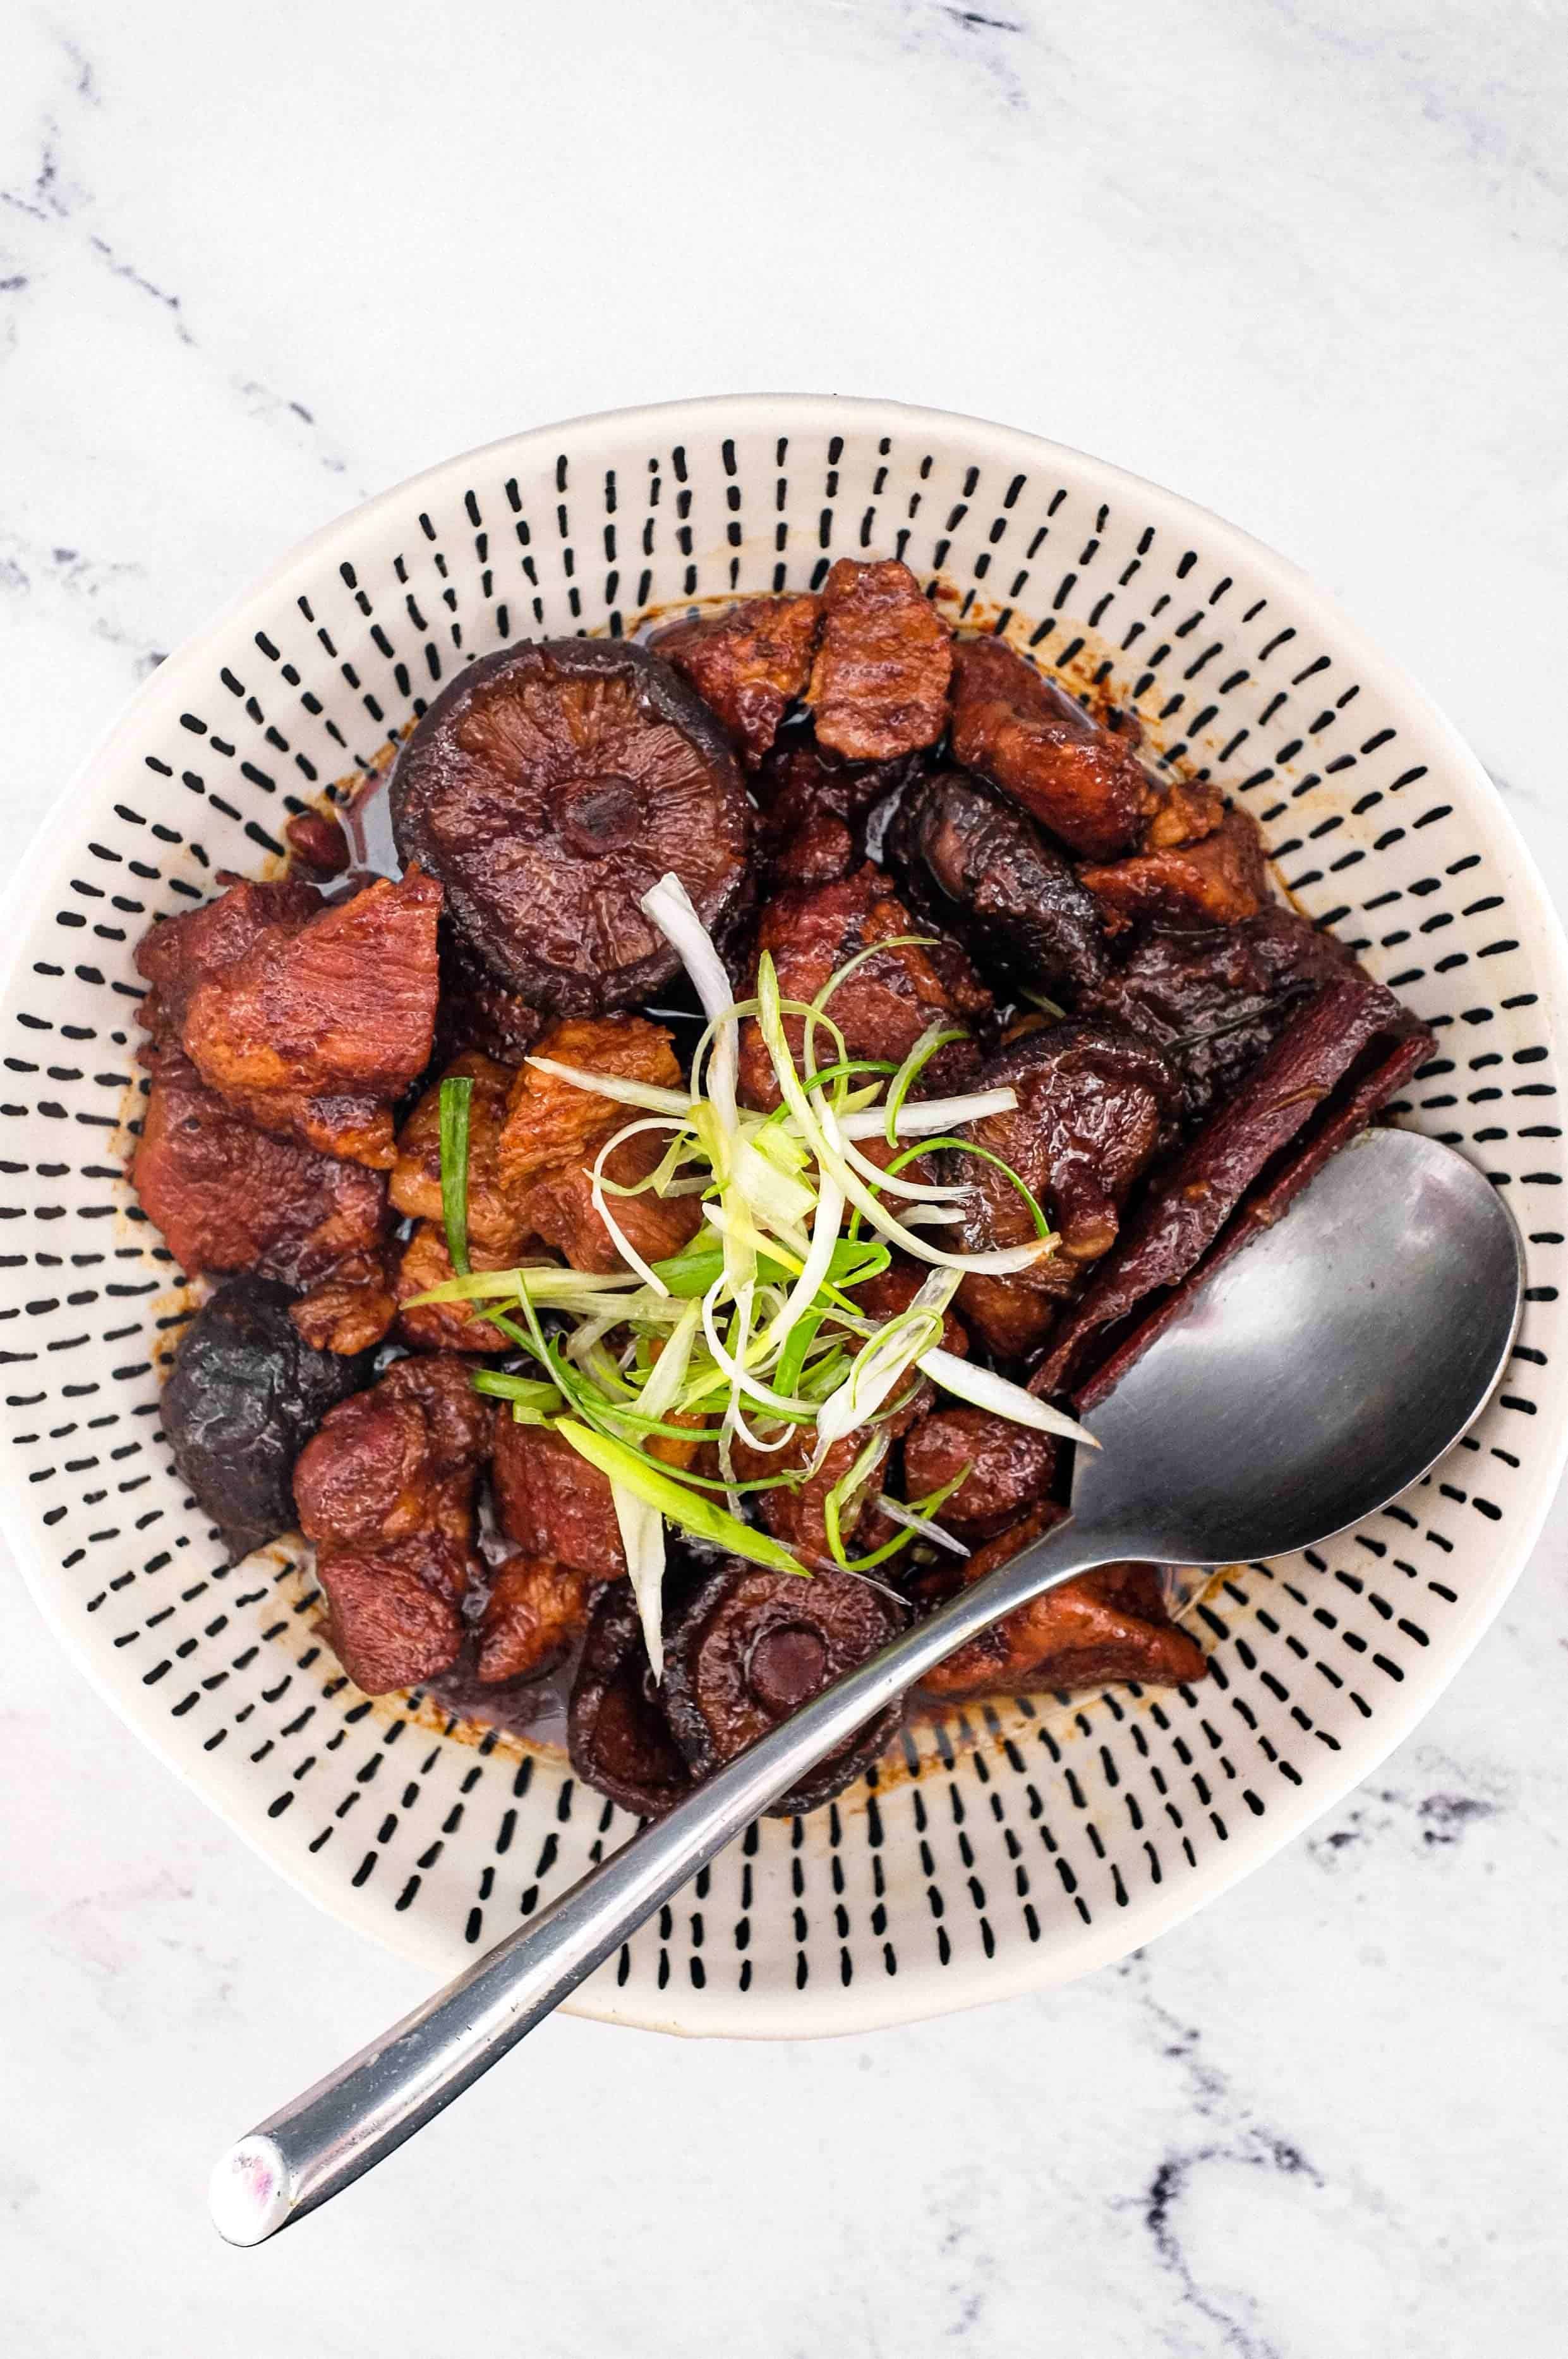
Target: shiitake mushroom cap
(246, 1395)
(617, 1734)
(547, 789)
(751, 1646)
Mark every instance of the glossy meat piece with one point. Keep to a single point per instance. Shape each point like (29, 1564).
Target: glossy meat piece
(477, 1010)
(398, 1460)
(394, 1610)
(795, 1513)
(879, 686)
(752, 1646)
(551, 1502)
(1218, 881)
(748, 664)
(1038, 744)
(312, 1032)
(1214, 1001)
(495, 1222)
(385, 1491)
(976, 862)
(1187, 810)
(423, 1263)
(814, 807)
(534, 1616)
(243, 1398)
(349, 1310)
(227, 1197)
(1104, 1627)
(884, 1007)
(553, 1132)
(1355, 1039)
(179, 954)
(549, 787)
(316, 840)
(889, 1296)
(1008, 1468)
(1093, 1104)
(617, 1734)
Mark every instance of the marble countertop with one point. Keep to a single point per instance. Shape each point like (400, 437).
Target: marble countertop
(1304, 262)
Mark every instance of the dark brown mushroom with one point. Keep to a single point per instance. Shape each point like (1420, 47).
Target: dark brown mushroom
(752, 1646)
(548, 787)
(617, 1735)
(1340, 1057)
(1214, 1001)
(1092, 1103)
(244, 1396)
(970, 859)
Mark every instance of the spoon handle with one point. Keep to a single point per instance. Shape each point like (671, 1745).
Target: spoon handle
(306, 2152)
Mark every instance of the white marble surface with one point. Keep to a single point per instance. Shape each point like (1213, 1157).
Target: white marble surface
(1303, 260)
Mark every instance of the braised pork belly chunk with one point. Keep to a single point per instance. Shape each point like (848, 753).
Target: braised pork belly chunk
(816, 808)
(1217, 880)
(310, 1020)
(879, 686)
(554, 1134)
(552, 1502)
(796, 1513)
(495, 1220)
(536, 1613)
(1032, 740)
(1106, 1625)
(385, 1490)
(748, 665)
(180, 955)
(883, 1008)
(425, 1262)
(228, 1197)
(724, 1357)
(353, 1307)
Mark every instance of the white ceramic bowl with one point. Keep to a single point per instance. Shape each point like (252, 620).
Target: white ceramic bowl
(1018, 1845)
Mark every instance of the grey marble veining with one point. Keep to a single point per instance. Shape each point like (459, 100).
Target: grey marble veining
(1303, 260)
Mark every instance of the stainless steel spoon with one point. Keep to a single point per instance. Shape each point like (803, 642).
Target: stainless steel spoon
(1321, 1372)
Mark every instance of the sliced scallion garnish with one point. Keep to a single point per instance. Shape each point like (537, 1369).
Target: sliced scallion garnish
(686, 1507)
(457, 1096)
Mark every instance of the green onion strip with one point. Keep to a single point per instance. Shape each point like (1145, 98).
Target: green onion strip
(455, 1098)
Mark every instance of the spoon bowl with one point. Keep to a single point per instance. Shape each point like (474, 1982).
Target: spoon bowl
(1319, 1373)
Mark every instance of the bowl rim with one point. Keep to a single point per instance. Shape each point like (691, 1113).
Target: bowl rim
(851, 2011)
